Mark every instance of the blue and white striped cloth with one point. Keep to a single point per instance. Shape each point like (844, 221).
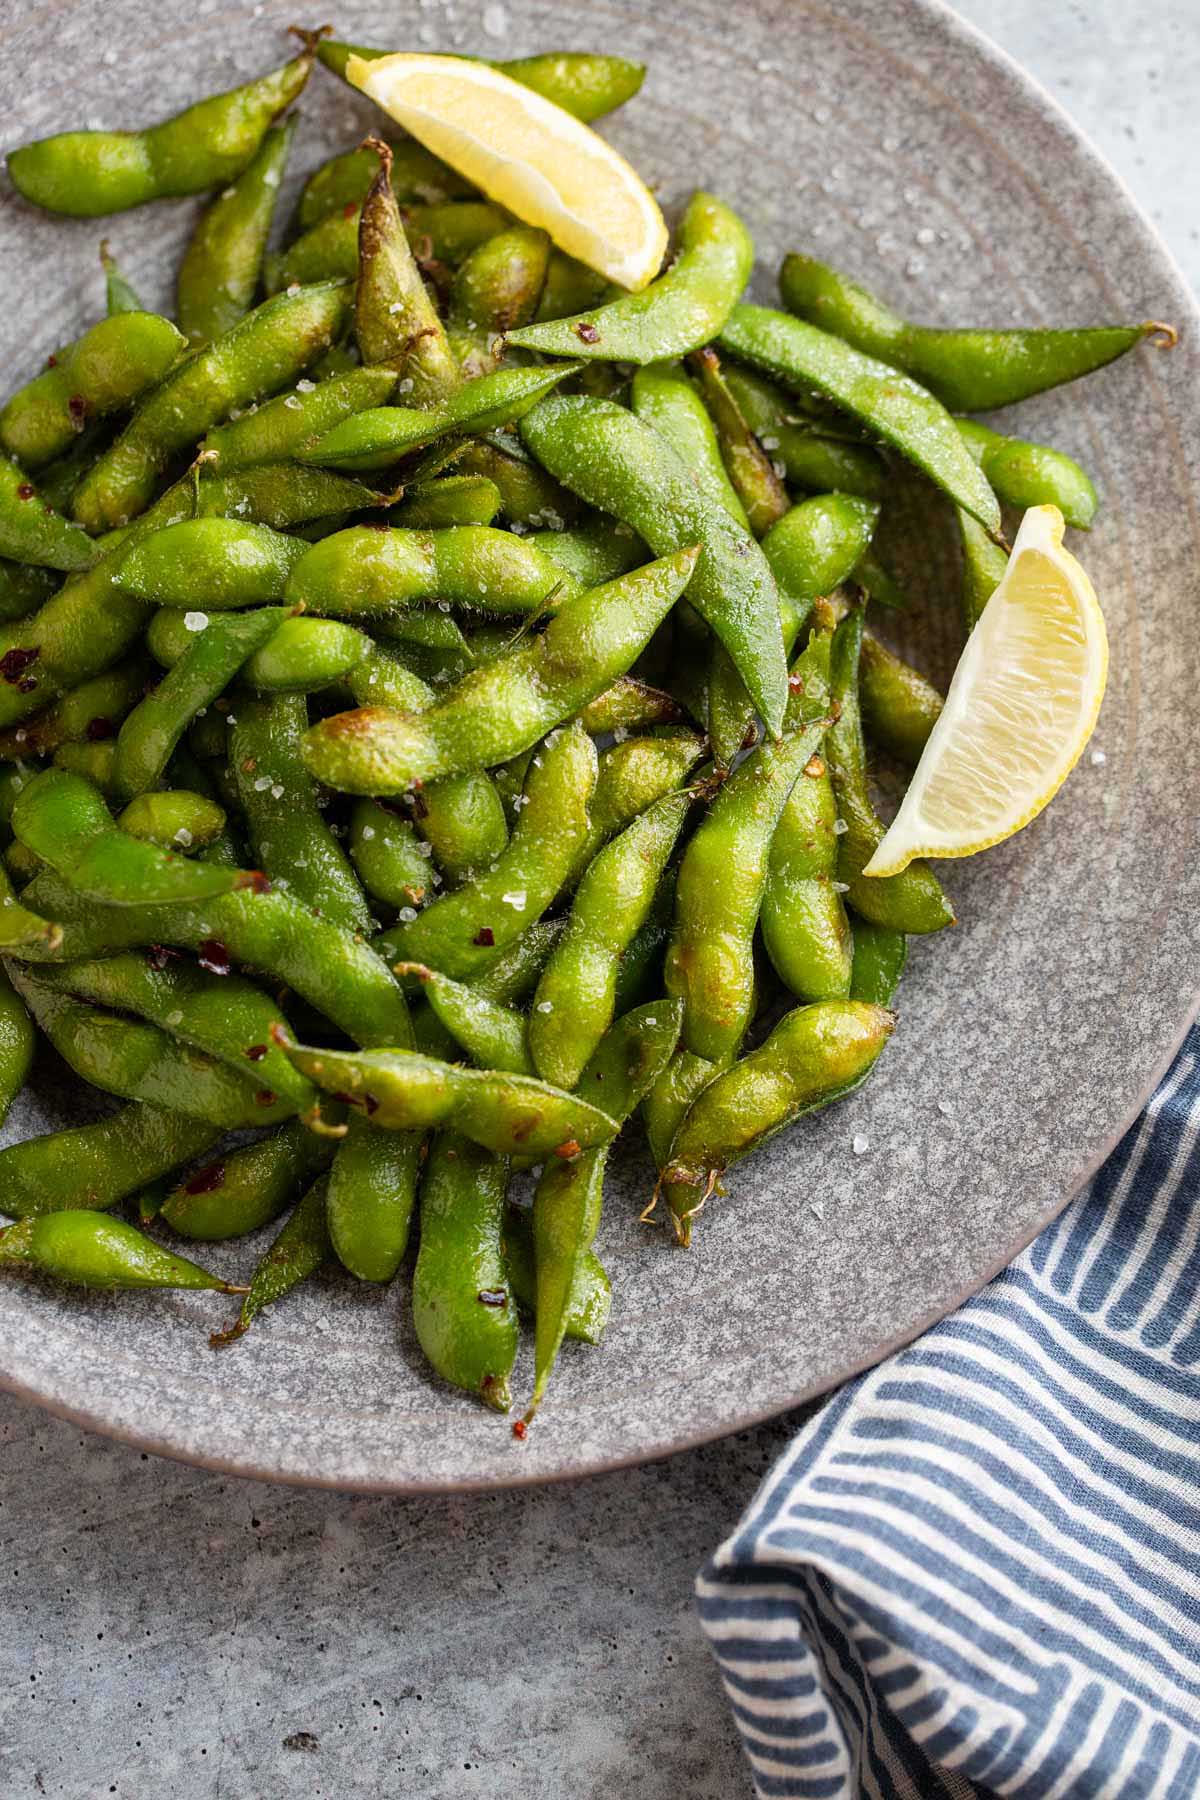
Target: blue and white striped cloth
(977, 1570)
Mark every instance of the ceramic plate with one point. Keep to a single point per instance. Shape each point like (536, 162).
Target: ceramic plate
(888, 138)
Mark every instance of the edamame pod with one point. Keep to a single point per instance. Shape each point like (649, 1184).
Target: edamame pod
(464, 1314)
(395, 322)
(879, 958)
(666, 398)
(1022, 474)
(362, 572)
(970, 371)
(100, 373)
(273, 432)
(503, 707)
(809, 455)
(814, 1056)
(370, 1199)
(261, 354)
(496, 289)
(891, 406)
(461, 932)
(899, 707)
(90, 1251)
(211, 564)
(401, 1090)
(87, 173)
(222, 265)
(247, 1188)
(97, 1165)
(492, 1034)
(678, 312)
(622, 465)
(298, 1252)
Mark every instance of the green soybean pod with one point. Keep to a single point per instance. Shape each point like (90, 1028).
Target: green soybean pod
(566, 1204)
(274, 431)
(528, 495)
(33, 531)
(298, 1252)
(576, 997)
(395, 321)
(464, 1313)
(815, 1055)
(1024, 474)
(97, 1165)
(751, 471)
(279, 800)
(879, 958)
(913, 901)
(149, 736)
(492, 1034)
(330, 967)
(87, 173)
(62, 819)
(620, 464)
(402, 1090)
(225, 1016)
(984, 566)
(222, 264)
(591, 1297)
(387, 854)
(370, 1199)
(262, 353)
(633, 774)
(91, 712)
(246, 1188)
(102, 372)
(719, 891)
(513, 974)
(665, 396)
(597, 549)
(506, 705)
(302, 656)
(174, 818)
(899, 707)
(496, 289)
(452, 500)
(211, 564)
(140, 1062)
(461, 932)
(88, 1250)
(583, 83)
(970, 371)
(16, 1045)
(891, 406)
(678, 312)
(120, 296)
(810, 455)
(803, 921)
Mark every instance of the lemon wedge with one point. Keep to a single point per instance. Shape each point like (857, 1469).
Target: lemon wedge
(1021, 707)
(527, 154)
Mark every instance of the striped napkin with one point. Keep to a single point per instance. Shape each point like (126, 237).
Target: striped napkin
(977, 1570)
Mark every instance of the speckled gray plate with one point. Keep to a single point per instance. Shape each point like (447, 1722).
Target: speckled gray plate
(888, 137)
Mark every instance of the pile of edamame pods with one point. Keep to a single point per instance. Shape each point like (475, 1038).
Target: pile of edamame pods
(434, 689)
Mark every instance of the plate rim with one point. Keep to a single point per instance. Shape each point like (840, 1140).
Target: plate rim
(949, 24)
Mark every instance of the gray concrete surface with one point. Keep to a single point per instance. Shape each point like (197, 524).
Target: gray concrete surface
(168, 1631)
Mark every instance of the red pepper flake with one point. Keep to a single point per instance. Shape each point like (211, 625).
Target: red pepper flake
(571, 1148)
(14, 663)
(264, 1097)
(252, 880)
(214, 956)
(520, 1430)
(815, 766)
(98, 730)
(77, 406)
(586, 332)
(255, 1052)
(206, 1180)
(346, 1099)
(484, 936)
(52, 362)
(350, 209)
(371, 1104)
(796, 682)
(492, 1296)
(26, 491)
(159, 955)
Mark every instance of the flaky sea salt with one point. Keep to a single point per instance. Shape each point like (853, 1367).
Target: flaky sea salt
(860, 1145)
(195, 621)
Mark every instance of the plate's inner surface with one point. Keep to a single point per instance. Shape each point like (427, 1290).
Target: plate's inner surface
(890, 143)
